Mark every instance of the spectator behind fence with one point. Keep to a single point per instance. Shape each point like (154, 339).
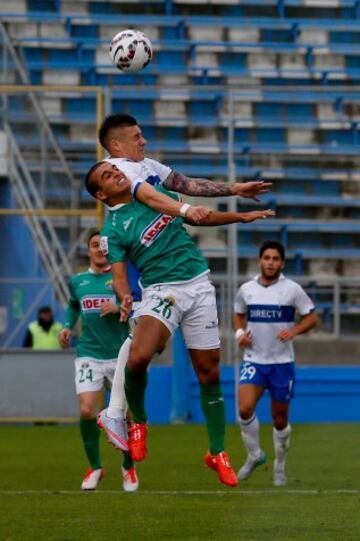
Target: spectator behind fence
(43, 333)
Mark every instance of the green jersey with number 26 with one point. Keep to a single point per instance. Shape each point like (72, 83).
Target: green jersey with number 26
(101, 337)
(156, 244)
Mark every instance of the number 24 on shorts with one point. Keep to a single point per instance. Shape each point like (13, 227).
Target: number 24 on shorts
(85, 374)
(247, 372)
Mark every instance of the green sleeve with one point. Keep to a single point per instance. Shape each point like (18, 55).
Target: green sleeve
(113, 247)
(73, 309)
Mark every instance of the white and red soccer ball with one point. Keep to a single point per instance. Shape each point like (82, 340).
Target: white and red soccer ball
(130, 50)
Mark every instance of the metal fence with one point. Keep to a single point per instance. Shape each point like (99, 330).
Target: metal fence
(337, 301)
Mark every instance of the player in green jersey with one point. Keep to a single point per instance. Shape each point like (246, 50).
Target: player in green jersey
(93, 299)
(176, 291)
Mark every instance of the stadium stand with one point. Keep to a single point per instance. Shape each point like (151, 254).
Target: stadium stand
(291, 67)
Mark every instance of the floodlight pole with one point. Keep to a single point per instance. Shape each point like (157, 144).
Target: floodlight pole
(232, 253)
(232, 247)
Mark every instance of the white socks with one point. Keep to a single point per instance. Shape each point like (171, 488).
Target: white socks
(250, 435)
(117, 405)
(281, 439)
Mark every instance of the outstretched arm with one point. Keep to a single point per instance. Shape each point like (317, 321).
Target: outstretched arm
(225, 218)
(165, 204)
(177, 182)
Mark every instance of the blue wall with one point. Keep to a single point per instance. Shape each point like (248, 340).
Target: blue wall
(19, 260)
(322, 394)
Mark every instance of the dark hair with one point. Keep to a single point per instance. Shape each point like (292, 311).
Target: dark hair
(92, 235)
(272, 245)
(43, 309)
(90, 183)
(111, 122)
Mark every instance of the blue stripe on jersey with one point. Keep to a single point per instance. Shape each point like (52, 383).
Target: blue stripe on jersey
(270, 313)
(136, 189)
(154, 180)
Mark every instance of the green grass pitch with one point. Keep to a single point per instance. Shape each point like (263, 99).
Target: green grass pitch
(179, 499)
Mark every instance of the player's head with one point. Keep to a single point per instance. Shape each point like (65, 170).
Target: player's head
(108, 184)
(97, 259)
(121, 136)
(271, 259)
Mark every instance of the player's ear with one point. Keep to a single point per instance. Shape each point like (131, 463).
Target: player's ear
(114, 145)
(100, 196)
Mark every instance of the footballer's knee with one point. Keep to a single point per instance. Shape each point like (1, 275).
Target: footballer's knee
(280, 420)
(139, 358)
(87, 411)
(246, 411)
(206, 364)
(208, 375)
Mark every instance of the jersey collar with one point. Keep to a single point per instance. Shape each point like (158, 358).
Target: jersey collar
(116, 207)
(107, 269)
(257, 279)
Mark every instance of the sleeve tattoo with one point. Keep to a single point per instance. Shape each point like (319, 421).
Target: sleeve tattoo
(177, 182)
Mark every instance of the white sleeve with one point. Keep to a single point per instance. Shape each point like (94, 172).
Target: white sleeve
(302, 301)
(131, 169)
(239, 303)
(163, 171)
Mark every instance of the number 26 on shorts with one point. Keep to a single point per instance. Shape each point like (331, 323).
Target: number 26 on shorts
(163, 307)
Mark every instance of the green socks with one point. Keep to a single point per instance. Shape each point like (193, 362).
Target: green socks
(212, 403)
(135, 386)
(90, 434)
(128, 463)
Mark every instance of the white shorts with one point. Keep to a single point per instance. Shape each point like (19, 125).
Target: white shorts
(190, 306)
(93, 375)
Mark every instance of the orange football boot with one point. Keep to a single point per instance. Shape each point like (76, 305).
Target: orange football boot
(221, 464)
(137, 441)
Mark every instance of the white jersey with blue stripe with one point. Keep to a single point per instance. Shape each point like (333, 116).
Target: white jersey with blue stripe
(147, 170)
(269, 310)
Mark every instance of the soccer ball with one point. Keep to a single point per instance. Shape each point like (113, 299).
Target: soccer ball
(130, 50)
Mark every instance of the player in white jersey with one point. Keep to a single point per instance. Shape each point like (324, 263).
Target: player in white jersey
(122, 138)
(265, 326)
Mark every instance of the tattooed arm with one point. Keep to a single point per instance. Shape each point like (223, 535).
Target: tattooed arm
(177, 182)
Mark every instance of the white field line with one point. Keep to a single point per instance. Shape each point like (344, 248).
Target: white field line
(254, 492)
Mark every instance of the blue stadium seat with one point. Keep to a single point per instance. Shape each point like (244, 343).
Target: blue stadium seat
(296, 123)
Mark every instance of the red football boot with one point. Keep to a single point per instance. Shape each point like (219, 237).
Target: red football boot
(137, 441)
(221, 464)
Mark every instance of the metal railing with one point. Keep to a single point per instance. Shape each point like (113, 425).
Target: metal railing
(43, 166)
(54, 258)
(337, 301)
